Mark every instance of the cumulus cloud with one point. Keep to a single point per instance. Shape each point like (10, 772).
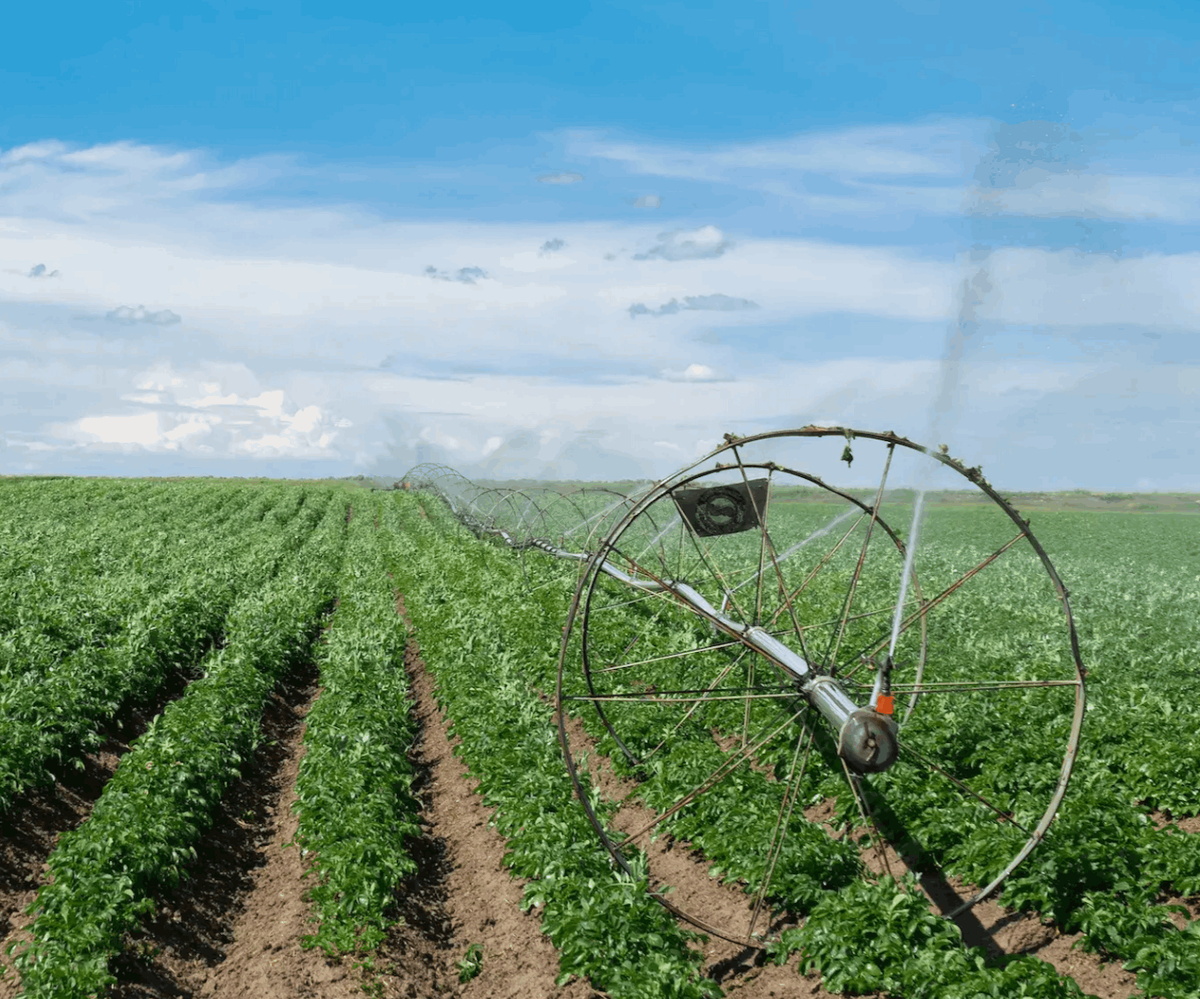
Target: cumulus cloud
(694, 373)
(715, 303)
(39, 270)
(681, 244)
(552, 246)
(464, 275)
(130, 315)
(560, 178)
(217, 409)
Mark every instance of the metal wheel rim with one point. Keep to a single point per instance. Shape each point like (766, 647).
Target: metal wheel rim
(587, 586)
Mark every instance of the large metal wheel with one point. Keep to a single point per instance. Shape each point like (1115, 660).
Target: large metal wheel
(750, 641)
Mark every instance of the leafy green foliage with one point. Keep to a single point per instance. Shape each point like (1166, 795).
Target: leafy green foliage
(471, 963)
(883, 937)
(54, 706)
(353, 790)
(140, 833)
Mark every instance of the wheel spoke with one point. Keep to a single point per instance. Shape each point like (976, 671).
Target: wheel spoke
(692, 710)
(955, 687)
(727, 767)
(695, 696)
(831, 655)
(926, 607)
(962, 786)
(789, 598)
(709, 561)
(614, 667)
(779, 834)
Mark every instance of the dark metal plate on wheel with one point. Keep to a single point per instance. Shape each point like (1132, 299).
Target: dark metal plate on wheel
(722, 509)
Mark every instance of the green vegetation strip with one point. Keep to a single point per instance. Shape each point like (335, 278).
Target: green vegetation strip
(883, 938)
(354, 802)
(74, 574)
(48, 712)
(490, 643)
(141, 832)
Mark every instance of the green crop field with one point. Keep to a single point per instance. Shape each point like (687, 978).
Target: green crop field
(171, 610)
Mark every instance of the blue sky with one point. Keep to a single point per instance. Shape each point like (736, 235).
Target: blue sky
(292, 241)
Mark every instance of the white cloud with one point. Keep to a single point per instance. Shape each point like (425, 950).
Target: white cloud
(291, 310)
(560, 178)
(694, 373)
(1070, 288)
(930, 150)
(55, 180)
(203, 411)
(139, 429)
(698, 244)
(128, 315)
(1036, 191)
(716, 303)
(923, 167)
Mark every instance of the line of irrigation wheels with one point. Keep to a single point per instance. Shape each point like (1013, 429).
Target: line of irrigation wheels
(746, 618)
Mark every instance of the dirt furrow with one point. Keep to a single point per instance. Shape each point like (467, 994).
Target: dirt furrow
(468, 897)
(233, 926)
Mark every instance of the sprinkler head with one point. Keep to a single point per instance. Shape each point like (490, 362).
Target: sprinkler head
(868, 742)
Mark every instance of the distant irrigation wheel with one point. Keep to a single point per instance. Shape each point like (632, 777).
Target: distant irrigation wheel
(750, 640)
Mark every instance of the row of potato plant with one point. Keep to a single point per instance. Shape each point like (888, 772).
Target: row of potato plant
(1109, 869)
(50, 712)
(141, 833)
(354, 800)
(52, 546)
(490, 645)
(59, 594)
(1104, 869)
(57, 603)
